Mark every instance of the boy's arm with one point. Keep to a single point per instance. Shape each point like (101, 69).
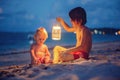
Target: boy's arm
(81, 46)
(65, 25)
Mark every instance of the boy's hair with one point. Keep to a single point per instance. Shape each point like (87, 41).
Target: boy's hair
(41, 31)
(77, 14)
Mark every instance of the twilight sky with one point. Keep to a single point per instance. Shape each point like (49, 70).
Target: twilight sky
(28, 15)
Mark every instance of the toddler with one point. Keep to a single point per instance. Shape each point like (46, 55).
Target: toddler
(39, 51)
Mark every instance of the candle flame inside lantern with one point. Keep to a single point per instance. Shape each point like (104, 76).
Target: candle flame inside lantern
(56, 32)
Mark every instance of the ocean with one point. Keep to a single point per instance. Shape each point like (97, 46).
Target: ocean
(17, 42)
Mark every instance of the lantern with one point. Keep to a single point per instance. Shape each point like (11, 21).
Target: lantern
(56, 32)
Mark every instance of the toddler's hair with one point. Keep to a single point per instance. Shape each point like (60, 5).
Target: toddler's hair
(41, 32)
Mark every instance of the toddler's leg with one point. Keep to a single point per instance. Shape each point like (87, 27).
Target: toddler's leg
(47, 59)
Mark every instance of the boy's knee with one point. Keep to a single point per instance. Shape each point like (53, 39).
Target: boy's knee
(56, 47)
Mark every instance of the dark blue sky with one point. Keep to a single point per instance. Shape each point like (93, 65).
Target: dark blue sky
(28, 15)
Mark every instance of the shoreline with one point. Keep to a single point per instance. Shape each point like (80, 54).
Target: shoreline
(50, 48)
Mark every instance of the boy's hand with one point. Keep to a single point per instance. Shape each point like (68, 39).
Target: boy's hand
(59, 19)
(62, 53)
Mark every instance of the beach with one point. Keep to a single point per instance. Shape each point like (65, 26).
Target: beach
(104, 64)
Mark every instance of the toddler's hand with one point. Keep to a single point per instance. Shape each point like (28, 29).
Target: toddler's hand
(36, 60)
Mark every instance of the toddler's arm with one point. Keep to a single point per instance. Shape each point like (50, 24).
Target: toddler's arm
(32, 53)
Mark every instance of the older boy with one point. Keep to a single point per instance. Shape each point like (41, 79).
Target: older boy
(83, 37)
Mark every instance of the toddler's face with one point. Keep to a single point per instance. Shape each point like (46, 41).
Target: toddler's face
(40, 39)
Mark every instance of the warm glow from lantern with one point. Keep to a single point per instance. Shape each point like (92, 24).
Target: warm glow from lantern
(56, 32)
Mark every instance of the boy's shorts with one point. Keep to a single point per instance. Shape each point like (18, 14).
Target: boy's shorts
(79, 54)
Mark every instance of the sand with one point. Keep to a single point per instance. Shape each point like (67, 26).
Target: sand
(104, 64)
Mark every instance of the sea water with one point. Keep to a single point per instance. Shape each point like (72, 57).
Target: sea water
(20, 41)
